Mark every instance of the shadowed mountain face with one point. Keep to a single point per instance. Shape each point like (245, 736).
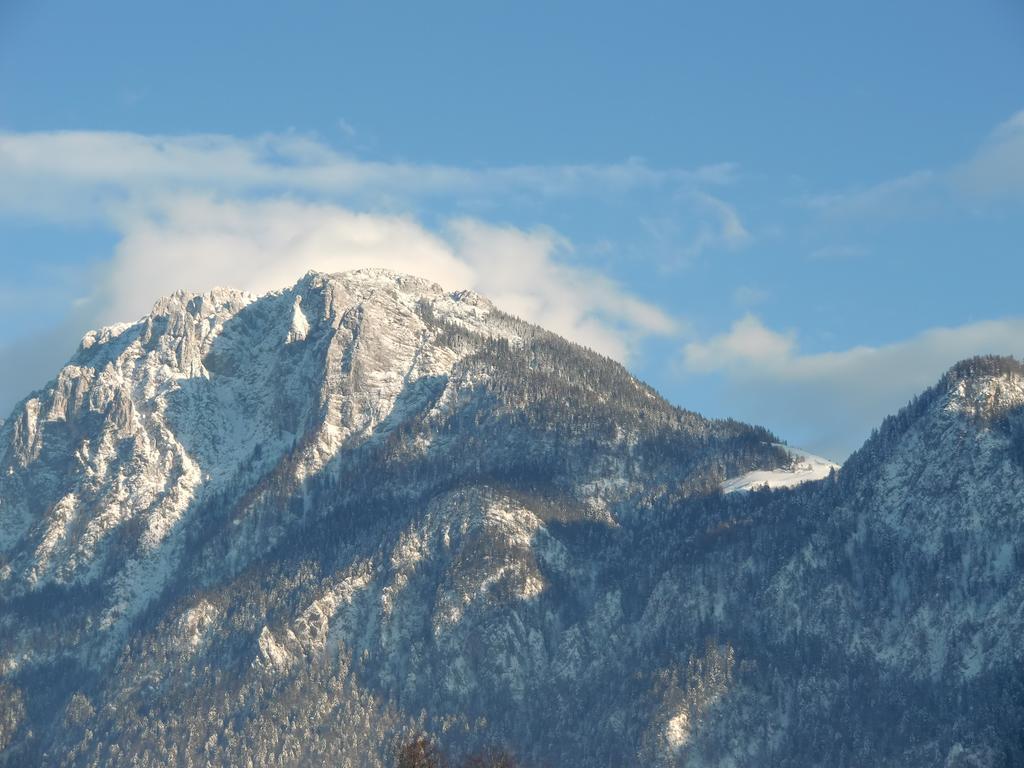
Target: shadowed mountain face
(293, 529)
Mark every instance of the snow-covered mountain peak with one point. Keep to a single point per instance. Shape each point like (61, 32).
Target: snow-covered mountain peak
(363, 283)
(206, 393)
(187, 323)
(985, 387)
(339, 291)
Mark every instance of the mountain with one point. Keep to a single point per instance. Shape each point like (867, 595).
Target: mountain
(300, 528)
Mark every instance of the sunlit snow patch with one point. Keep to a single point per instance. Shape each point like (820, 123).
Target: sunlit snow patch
(300, 325)
(806, 467)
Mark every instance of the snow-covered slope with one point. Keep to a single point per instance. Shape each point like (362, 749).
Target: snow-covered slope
(805, 467)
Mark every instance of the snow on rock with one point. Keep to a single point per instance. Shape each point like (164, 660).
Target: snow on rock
(272, 652)
(806, 467)
(300, 324)
(193, 624)
(677, 730)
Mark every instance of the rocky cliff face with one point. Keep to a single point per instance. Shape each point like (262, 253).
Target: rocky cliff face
(290, 529)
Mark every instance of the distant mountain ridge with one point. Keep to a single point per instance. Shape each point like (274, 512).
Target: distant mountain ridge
(295, 529)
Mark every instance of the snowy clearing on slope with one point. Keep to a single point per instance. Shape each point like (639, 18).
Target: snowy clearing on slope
(806, 467)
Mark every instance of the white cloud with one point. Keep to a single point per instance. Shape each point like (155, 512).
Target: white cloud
(994, 171)
(198, 243)
(707, 222)
(747, 345)
(997, 168)
(832, 400)
(730, 229)
(73, 174)
(195, 211)
(889, 198)
(517, 271)
(721, 228)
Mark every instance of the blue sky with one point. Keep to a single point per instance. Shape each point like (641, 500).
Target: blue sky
(794, 213)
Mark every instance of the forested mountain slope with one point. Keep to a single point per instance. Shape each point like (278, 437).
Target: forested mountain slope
(295, 529)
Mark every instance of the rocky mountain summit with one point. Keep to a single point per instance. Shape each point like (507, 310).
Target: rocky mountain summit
(296, 529)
